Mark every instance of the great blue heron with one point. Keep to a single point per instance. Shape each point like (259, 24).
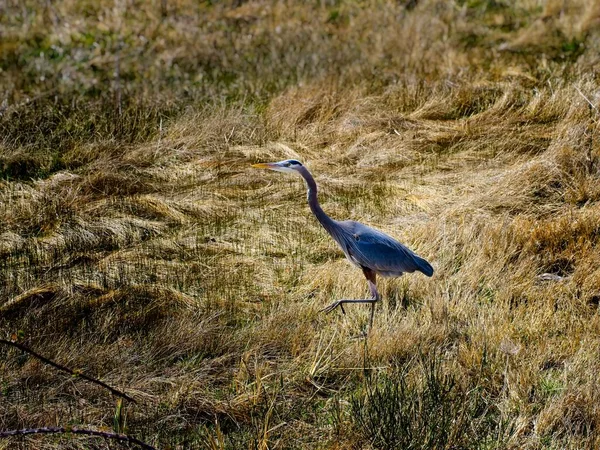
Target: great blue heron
(373, 251)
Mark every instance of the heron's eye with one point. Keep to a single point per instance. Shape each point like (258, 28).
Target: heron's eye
(287, 164)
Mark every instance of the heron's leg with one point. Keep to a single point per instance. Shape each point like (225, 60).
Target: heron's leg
(371, 279)
(375, 294)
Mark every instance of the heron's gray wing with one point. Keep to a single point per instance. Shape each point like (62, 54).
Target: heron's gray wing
(376, 250)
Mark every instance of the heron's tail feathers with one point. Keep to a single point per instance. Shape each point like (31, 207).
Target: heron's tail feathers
(423, 266)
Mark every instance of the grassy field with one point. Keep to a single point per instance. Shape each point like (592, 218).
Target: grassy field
(139, 247)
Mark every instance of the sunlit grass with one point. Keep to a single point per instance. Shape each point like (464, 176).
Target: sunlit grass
(137, 244)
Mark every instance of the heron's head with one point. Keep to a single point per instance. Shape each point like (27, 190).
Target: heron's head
(288, 165)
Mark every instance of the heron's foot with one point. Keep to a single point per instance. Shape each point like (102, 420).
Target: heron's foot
(334, 305)
(341, 304)
(360, 336)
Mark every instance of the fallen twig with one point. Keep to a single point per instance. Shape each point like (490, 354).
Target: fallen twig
(58, 430)
(66, 369)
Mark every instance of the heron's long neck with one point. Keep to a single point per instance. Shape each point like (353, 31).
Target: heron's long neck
(313, 202)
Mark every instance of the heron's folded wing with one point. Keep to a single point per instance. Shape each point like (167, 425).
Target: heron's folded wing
(382, 253)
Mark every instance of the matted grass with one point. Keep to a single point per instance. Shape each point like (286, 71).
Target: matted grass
(137, 244)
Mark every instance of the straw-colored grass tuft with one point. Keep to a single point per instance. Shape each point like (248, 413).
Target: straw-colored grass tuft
(138, 245)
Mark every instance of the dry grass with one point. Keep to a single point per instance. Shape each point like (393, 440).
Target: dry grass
(137, 244)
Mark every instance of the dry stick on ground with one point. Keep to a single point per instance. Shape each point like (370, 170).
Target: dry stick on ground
(59, 430)
(66, 369)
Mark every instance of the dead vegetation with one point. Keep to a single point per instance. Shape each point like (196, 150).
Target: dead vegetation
(137, 244)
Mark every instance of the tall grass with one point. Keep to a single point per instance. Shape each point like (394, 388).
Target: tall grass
(421, 405)
(137, 244)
